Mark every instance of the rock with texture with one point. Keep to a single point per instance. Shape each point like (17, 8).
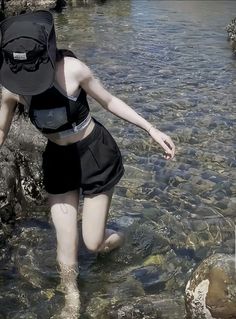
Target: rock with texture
(15, 7)
(231, 29)
(211, 291)
(21, 190)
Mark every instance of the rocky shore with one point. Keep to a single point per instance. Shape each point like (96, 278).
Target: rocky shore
(14, 7)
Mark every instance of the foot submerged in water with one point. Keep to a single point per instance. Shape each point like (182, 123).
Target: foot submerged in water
(113, 239)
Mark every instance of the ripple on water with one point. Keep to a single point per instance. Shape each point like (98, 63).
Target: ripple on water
(171, 62)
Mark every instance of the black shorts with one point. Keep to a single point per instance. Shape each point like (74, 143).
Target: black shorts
(93, 164)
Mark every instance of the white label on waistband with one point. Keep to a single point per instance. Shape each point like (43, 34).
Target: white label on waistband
(19, 56)
(76, 128)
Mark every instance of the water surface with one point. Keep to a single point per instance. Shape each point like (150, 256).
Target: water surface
(170, 61)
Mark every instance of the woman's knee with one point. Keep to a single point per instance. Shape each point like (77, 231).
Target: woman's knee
(64, 210)
(93, 245)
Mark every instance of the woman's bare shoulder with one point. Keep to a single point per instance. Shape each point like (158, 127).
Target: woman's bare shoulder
(8, 95)
(77, 68)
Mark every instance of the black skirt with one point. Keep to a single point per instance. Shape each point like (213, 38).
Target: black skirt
(93, 164)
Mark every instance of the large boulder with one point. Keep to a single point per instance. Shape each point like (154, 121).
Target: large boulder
(211, 291)
(21, 191)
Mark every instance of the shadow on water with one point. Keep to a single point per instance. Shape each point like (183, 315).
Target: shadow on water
(169, 60)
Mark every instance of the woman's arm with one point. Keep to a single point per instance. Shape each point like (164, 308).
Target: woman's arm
(7, 110)
(94, 88)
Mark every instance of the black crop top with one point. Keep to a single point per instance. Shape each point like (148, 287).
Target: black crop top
(52, 111)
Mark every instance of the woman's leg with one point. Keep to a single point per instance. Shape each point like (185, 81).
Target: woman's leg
(95, 212)
(64, 208)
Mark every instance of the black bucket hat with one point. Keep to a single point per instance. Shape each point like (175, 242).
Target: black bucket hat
(28, 53)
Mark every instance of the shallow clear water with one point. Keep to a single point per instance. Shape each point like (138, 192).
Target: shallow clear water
(170, 61)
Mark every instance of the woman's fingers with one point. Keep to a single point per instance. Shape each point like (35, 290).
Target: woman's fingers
(171, 146)
(165, 142)
(168, 148)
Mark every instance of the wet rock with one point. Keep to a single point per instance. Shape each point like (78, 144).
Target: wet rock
(21, 190)
(20, 183)
(15, 7)
(24, 315)
(127, 289)
(152, 278)
(211, 290)
(145, 240)
(36, 266)
(8, 181)
(230, 210)
(148, 307)
(137, 175)
(31, 276)
(98, 308)
(157, 260)
(29, 167)
(231, 30)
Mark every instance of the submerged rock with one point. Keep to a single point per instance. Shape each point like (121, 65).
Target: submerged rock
(211, 291)
(148, 307)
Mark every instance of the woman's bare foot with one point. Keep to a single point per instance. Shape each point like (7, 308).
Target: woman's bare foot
(71, 309)
(113, 239)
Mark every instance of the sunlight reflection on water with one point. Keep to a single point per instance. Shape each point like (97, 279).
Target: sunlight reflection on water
(169, 60)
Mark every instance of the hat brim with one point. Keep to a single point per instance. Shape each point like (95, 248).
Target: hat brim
(25, 82)
(41, 16)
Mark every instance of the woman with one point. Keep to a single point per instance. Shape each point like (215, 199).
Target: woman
(80, 153)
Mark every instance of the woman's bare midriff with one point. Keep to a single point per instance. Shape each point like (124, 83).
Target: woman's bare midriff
(72, 138)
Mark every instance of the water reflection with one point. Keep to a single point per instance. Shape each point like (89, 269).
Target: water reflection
(170, 60)
(198, 11)
(173, 63)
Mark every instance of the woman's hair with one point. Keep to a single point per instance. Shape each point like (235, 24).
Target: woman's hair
(60, 54)
(20, 110)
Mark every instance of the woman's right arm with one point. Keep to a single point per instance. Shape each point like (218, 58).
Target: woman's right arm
(7, 111)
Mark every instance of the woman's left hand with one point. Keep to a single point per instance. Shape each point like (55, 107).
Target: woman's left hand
(165, 141)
